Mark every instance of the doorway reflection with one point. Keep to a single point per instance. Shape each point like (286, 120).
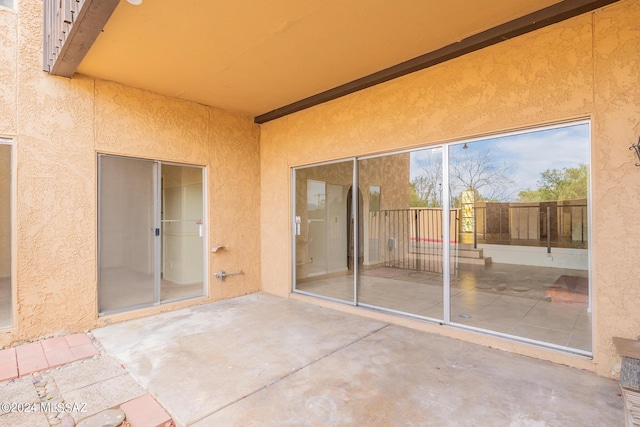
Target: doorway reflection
(324, 229)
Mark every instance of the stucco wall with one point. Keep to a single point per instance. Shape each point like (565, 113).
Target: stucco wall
(583, 67)
(60, 125)
(8, 69)
(616, 181)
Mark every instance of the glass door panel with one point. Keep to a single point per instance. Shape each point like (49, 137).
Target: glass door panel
(402, 232)
(324, 230)
(127, 233)
(521, 249)
(5, 235)
(182, 233)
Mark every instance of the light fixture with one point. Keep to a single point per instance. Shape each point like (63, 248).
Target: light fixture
(465, 146)
(636, 147)
(135, 2)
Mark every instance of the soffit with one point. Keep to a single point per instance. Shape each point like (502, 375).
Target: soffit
(255, 56)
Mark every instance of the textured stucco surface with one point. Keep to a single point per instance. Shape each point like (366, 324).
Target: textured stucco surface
(616, 181)
(583, 67)
(61, 125)
(8, 70)
(588, 66)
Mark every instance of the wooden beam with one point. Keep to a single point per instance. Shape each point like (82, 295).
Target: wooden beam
(531, 22)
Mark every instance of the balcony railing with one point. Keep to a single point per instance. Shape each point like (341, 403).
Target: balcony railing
(412, 238)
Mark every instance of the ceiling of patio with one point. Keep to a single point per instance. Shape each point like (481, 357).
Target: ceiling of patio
(255, 56)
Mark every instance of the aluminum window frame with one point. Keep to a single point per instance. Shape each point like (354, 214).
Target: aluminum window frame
(446, 206)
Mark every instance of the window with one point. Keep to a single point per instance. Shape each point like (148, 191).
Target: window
(10, 4)
(490, 234)
(5, 232)
(151, 233)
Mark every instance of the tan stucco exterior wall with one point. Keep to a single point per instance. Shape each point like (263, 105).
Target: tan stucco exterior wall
(59, 125)
(586, 67)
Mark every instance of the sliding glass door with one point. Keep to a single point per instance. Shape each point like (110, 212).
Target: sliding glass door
(5, 233)
(128, 268)
(523, 246)
(182, 268)
(151, 247)
(402, 233)
(489, 234)
(324, 230)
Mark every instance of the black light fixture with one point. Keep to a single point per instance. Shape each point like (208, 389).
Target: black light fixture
(636, 147)
(465, 146)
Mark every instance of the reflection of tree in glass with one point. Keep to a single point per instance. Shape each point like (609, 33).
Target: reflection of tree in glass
(374, 198)
(554, 184)
(480, 170)
(426, 188)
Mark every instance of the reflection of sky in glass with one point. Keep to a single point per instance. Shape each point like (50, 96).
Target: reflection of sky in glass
(530, 153)
(315, 194)
(425, 159)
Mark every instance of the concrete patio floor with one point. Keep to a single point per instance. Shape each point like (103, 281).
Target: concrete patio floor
(262, 360)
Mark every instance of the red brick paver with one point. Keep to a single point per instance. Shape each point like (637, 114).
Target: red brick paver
(83, 351)
(144, 411)
(77, 339)
(46, 354)
(81, 346)
(57, 352)
(8, 364)
(31, 358)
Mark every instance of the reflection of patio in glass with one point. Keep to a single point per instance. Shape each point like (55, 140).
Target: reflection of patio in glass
(512, 225)
(539, 303)
(117, 294)
(5, 302)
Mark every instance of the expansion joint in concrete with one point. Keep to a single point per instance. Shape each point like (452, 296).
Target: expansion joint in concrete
(294, 371)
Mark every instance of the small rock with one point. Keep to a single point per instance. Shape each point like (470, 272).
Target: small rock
(108, 418)
(67, 421)
(501, 287)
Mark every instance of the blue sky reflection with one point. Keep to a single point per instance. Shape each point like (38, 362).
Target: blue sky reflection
(528, 154)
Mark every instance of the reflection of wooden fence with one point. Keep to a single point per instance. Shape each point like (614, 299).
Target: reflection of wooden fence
(562, 224)
(412, 238)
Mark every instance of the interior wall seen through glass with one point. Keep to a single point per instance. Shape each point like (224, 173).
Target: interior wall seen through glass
(182, 233)
(5, 236)
(127, 274)
(151, 219)
(324, 244)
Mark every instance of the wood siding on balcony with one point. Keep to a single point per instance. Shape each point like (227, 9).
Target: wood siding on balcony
(70, 28)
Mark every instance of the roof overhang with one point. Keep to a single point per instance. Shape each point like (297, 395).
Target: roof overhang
(270, 59)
